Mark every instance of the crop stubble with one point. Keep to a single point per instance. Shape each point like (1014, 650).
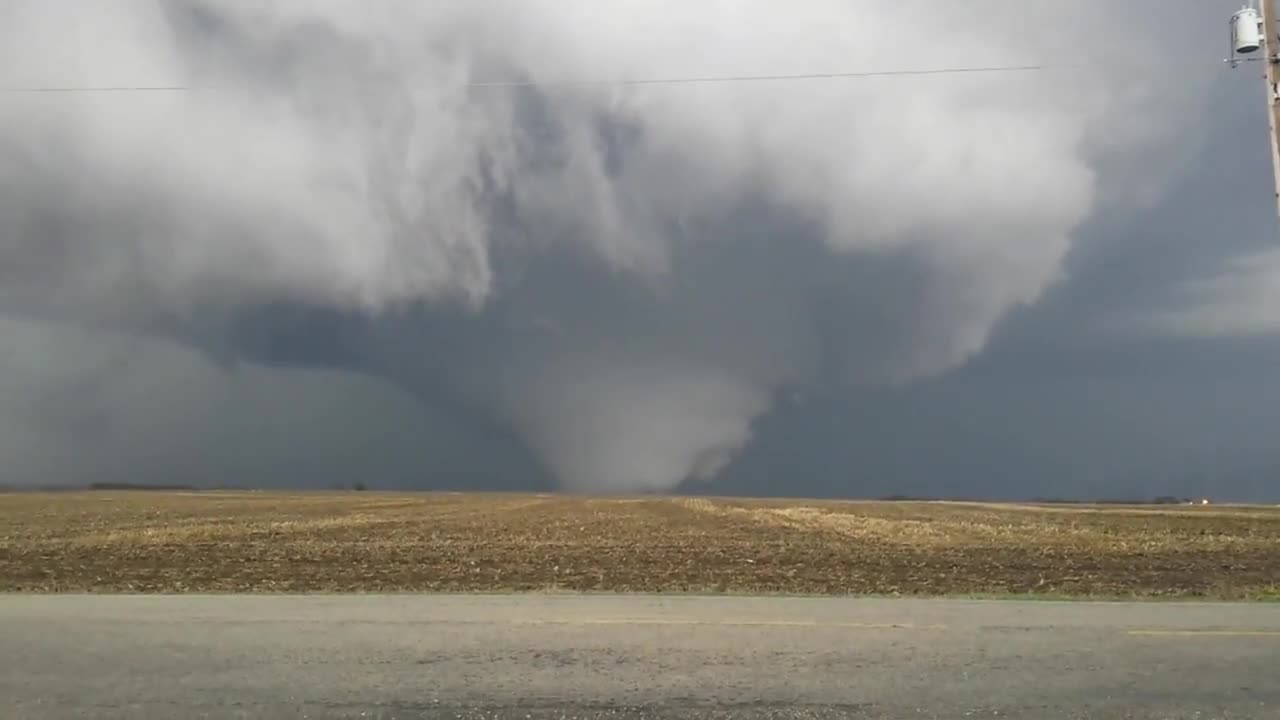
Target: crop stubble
(364, 542)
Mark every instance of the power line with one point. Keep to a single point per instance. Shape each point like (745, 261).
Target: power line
(710, 79)
(761, 78)
(171, 88)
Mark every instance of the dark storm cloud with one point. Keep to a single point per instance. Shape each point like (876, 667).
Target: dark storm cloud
(617, 289)
(1127, 380)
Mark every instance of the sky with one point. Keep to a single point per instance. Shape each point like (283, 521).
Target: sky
(342, 258)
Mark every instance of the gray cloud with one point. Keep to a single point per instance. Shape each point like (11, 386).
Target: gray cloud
(83, 407)
(611, 286)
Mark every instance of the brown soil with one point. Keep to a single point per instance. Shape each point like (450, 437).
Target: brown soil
(269, 542)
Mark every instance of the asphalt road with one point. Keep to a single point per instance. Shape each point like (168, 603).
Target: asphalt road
(631, 657)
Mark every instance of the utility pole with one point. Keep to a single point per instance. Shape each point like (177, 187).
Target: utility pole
(1271, 46)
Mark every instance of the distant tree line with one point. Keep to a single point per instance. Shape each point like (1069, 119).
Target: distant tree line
(140, 486)
(1162, 500)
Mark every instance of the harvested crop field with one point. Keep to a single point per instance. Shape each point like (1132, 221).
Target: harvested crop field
(269, 542)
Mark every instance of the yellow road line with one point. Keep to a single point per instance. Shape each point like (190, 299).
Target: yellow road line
(1206, 633)
(731, 623)
(674, 622)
